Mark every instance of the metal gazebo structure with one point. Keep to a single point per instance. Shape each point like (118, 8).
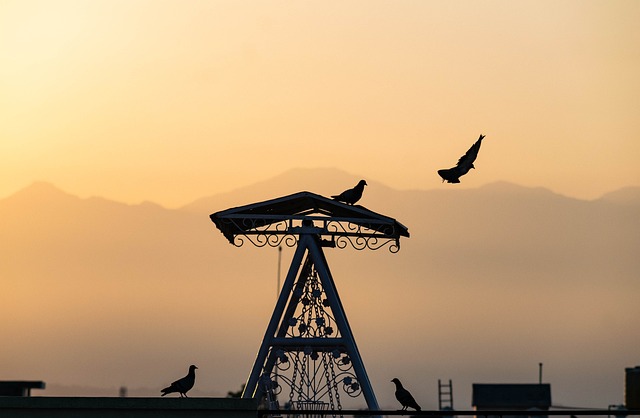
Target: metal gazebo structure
(308, 355)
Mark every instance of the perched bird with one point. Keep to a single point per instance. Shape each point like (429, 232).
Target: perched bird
(182, 386)
(465, 163)
(351, 196)
(404, 397)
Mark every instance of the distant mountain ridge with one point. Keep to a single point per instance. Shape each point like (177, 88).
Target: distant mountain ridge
(324, 181)
(46, 191)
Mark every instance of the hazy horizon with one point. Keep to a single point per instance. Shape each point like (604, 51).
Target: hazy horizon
(102, 294)
(293, 189)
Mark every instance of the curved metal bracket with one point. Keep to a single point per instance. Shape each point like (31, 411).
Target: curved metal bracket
(282, 221)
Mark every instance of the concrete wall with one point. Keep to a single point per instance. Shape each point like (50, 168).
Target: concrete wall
(54, 407)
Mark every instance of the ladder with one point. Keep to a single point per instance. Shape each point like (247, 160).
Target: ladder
(445, 395)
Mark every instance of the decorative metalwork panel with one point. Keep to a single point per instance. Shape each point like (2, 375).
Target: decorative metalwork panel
(312, 368)
(313, 319)
(340, 233)
(273, 234)
(311, 375)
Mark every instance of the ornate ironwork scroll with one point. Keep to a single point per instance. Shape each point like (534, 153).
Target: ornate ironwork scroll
(281, 222)
(341, 233)
(310, 368)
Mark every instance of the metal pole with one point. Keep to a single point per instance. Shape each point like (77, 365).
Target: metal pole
(540, 373)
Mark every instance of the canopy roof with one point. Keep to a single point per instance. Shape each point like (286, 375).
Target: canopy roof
(307, 212)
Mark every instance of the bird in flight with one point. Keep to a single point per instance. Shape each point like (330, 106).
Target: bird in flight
(351, 196)
(465, 163)
(404, 397)
(182, 386)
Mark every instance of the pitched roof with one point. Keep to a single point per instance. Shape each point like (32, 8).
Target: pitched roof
(511, 396)
(323, 213)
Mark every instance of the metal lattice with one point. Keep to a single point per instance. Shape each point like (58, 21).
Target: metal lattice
(311, 376)
(308, 358)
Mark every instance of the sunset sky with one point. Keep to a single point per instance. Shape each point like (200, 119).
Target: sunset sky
(170, 101)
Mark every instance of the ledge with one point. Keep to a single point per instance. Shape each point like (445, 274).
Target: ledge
(126, 407)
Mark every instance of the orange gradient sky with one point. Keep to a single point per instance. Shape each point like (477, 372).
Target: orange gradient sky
(170, 101)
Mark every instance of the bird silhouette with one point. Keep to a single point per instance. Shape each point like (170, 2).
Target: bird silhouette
(351, 196)
(182, 386)
(465, 163)
(404, 397)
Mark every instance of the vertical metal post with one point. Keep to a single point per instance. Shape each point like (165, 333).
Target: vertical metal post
(540, 373)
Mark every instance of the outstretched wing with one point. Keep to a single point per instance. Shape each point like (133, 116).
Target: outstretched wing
(466, 161)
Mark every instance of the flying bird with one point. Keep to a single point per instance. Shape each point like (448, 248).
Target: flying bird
(351, 196)
(465, 163)
(182, 386)
(404, 397)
